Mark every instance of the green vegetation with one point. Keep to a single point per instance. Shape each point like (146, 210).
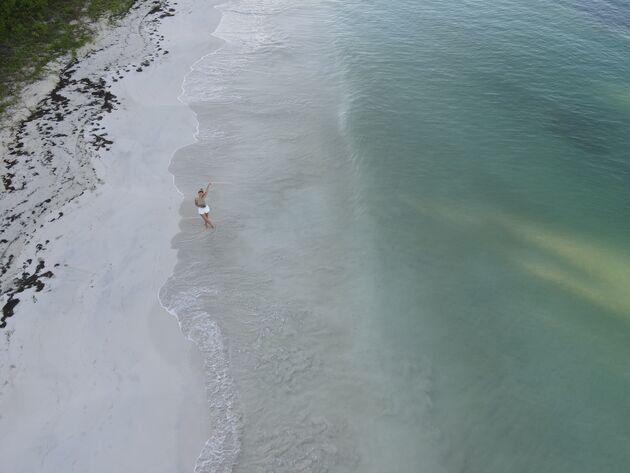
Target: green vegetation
(34, 32)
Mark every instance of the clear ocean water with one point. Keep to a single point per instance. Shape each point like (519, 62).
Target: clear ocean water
(421, 260)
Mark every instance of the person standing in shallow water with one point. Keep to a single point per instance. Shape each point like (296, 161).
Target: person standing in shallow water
(202, 207)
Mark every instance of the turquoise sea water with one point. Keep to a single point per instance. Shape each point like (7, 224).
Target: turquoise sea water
(421, 260)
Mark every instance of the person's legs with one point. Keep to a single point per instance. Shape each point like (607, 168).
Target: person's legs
(207, 219)
(204, 217)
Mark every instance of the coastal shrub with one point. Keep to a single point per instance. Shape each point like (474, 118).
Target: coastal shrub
(34, 32)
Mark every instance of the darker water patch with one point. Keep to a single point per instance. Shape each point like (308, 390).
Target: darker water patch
(614, 13)
(583, 129)
(581, 122)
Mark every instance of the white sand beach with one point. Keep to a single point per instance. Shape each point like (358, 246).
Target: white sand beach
(94, 374)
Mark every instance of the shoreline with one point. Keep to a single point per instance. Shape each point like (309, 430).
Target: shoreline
(210, 344)
(98, 376)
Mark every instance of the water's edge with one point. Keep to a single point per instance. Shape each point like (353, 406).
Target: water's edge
(221, 449)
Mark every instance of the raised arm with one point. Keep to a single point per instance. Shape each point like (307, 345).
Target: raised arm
(207, 187)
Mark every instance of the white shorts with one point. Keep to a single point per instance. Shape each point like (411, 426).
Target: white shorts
(203, 210)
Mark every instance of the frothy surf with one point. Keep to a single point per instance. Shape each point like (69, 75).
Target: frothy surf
(222, 448)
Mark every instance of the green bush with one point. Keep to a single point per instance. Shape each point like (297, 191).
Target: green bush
(34, 32)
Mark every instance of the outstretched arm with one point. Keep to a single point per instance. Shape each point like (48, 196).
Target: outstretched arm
(207, 187)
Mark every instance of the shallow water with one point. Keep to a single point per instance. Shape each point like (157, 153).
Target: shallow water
(420, 260)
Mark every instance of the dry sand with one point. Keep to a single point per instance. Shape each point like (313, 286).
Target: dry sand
(94, 374)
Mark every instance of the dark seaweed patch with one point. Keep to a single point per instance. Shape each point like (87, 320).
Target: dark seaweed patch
(25, 281)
